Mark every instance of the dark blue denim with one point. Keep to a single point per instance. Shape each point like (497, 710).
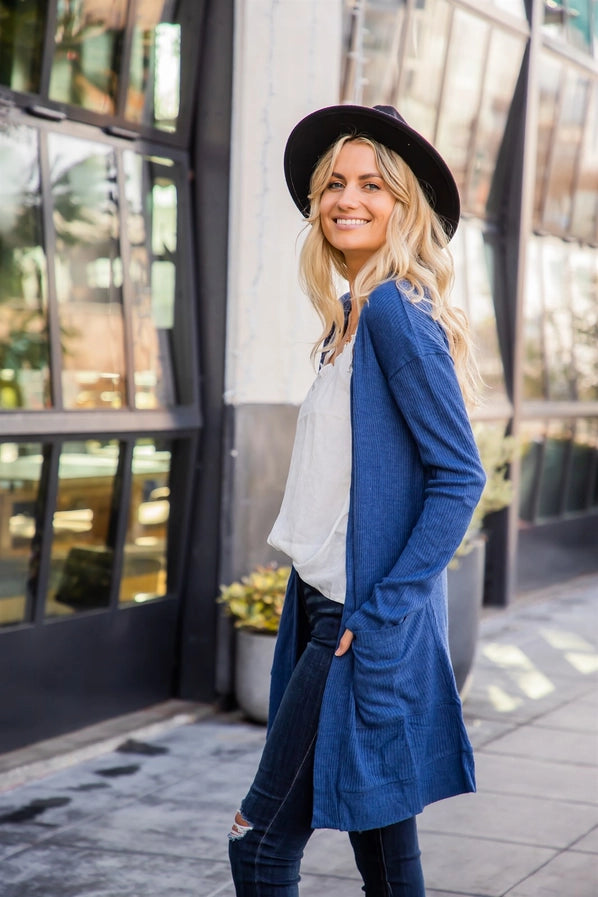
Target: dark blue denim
(265, 861)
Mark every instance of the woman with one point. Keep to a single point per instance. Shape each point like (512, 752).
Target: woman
(365, 720)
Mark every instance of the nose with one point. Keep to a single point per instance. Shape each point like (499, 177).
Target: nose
(348, 199)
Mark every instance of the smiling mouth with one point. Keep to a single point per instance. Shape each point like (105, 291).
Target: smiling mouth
(351, 222)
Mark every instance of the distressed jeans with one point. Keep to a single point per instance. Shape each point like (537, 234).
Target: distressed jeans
(265, 855)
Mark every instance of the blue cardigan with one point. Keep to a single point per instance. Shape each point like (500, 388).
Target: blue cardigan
(391, 737)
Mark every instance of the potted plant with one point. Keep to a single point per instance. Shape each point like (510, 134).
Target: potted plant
(255, 603)
(466, 570)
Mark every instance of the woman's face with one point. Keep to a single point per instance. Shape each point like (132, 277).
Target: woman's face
(356, 205)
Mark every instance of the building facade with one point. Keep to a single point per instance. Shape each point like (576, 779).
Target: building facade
(154, 344)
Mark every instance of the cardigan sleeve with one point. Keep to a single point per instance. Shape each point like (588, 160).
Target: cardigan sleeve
(428, 396)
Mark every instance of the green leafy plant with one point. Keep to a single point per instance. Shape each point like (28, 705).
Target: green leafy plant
(496, 453)
(255, 601)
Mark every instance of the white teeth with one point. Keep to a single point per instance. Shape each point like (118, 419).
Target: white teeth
(351, 221)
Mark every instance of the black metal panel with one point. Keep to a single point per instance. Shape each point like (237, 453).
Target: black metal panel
(83, 670)
(211, 161)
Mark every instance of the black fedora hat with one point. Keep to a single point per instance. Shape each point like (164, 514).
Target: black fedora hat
(314, 134)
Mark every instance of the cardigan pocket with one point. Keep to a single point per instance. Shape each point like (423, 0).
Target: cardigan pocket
(376, 656)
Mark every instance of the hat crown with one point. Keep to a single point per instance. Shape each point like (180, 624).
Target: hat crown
(390, 110)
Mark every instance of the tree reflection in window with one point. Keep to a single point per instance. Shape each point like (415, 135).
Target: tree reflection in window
(24, 359)
(152, 199)
(88, 270)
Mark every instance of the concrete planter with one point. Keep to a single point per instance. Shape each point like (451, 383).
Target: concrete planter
(465, 596)
(255, 652)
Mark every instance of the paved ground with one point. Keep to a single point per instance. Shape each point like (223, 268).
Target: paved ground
(150, 818)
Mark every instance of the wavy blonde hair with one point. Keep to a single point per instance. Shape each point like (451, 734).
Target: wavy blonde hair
(415, 250)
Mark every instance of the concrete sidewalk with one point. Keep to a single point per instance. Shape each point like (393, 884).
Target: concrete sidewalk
(150, 819)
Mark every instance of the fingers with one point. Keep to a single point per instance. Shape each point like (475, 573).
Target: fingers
(345, 643)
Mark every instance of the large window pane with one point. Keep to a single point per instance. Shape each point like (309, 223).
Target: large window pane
(423, 65)
(583, 273)
(584, 451)
(153, 95)
(151, 196)
(584, 224)
(144, 567)
(502, 70)
(20, 473)
(550, 78)
(88, 46)
(21, 40)
(83, 528)
(565, 153)
(24, 360)
(534, 350)
(462, 92)
(473, 293)
(88, 272)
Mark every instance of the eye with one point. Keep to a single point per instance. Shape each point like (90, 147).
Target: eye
(372, 187)
(335, 185)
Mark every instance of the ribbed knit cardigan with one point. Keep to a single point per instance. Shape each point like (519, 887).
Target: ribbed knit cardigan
(391, 737)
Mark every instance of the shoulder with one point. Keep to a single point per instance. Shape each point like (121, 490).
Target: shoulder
(394, 319)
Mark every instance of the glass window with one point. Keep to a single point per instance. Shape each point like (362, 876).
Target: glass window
(503, 64)
(584, 451)
(88, 47)
(152, 199)
(583, 274)
(144, 566)
(83, 530)
(88, 272)
(558, 322)
(462, 92)
(531, 447)
(24, 357)
(552, 477)
(473, 293)
(423, 65)
(377, 61)
(20, 475)
(584, 222)
(21, 42)
(153, 95)
(564, 158)
(550, 77)
(570, 20)
(534, 350)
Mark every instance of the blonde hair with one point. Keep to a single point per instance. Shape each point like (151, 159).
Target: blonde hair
(415, 250)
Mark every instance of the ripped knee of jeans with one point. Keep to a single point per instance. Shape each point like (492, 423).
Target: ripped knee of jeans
(239, 828)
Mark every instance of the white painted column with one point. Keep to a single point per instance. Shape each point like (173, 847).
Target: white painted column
(287, 61)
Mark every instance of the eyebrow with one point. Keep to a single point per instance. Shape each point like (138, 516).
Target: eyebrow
(362, 177)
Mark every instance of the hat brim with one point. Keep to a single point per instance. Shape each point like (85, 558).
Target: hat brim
(313, 135)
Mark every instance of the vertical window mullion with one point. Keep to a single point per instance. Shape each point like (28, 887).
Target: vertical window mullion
(48, 51)
(121, 499)
(48, 490)
(127, 290)
(125, 60)
(54, 341)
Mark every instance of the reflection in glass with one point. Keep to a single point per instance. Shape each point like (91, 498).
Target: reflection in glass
(503, 64)
(549, 86)
(565, 153)
(552, 477)
(151, 196)
(570, 20)
(423, 64)
(83, 528)
(21, 41)
(88, 46)
(153, 95)
(558, 323)
(584, 221)
(379, 55)
(534, 349)
(583, 274)
(531, 447)
(462, 92)
(88, 272)
(20, 473)
(24, 359)
(473, 293)
(144, 566)
(584, 452)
